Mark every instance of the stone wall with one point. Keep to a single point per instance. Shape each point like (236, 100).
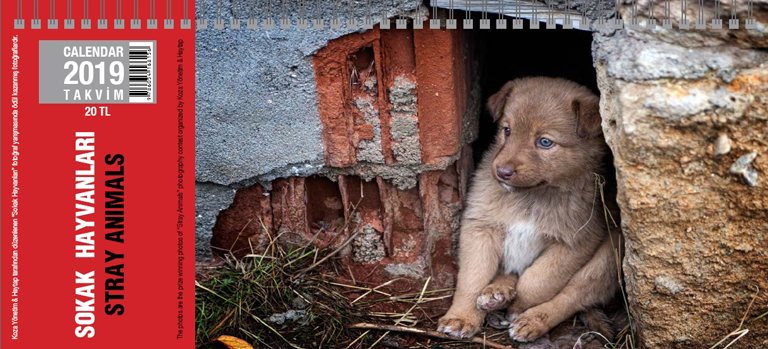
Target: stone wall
(686, 115)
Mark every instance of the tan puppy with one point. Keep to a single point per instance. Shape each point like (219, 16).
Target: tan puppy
(533, 236)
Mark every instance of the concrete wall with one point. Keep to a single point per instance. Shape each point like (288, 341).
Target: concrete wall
(256, 103)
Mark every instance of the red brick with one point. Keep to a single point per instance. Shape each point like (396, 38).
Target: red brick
(442, 202)
(289, 210)
(397, 59)
(405, 216)
(325, 212)
(332, 76)
(442, 75)
(364, 197)
(249, 216)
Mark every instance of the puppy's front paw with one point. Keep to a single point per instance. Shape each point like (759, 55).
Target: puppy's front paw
(529, 326)
(495, 297)
(459, 326)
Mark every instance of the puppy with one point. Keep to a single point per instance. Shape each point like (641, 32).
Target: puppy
(533, 236)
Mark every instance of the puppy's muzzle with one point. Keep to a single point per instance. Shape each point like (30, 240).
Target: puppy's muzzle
(505, 173)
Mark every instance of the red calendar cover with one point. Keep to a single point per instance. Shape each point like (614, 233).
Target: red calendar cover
(97, 176)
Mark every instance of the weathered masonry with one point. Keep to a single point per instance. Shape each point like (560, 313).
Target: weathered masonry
(316, 135)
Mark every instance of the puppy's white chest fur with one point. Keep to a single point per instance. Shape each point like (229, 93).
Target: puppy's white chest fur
(521, 246)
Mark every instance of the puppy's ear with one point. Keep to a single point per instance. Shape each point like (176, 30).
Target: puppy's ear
(588, 120)
(497, 102)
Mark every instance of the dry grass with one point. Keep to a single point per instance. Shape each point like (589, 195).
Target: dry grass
(626, 337)
(741, 331)
(238, 298)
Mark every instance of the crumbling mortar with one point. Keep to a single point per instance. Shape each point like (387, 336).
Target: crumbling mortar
(404, 177)
(415, 270)
(368, 246)
(404, 123)
(302, 169)
(370, 150)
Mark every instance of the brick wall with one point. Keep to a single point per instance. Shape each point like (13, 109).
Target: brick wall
(397, 114)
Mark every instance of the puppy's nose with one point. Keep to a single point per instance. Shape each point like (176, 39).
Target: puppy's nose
(505, 173)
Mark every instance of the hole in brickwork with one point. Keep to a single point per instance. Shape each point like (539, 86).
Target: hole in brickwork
(242, 221)
(366, 193)
(361, 66)
(505, 55)
(363, 58)
(448, 186)
(325, 210)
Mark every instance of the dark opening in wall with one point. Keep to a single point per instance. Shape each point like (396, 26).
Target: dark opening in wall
(361, 66)
(240, 227)
(509, 54)
(325, 209)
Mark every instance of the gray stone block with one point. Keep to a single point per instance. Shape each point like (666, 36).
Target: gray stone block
(210, 199)
(256, 100)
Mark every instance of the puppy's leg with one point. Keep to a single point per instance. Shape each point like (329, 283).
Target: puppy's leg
(597, 321)
(499, 294)
(479, 254)
(547, 276)
(594, 284)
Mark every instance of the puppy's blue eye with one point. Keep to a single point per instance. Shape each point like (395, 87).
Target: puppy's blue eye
(506, 131)
(546, 142)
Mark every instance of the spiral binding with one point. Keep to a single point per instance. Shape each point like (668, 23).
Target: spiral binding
(618, 21)
(501, 22)
(733, 22)
(567, 22)
(700, 21)
(651, 23)
(434, 23)
(633, 22)
(135, 20)
(551, 15)
(53, 23)
(684, 23)
(750, 23)
(35, 15)
(85, 23)
(485, 23)
(517, 23)
(400, 22)
(102, 22)
(310, 15)
(467, 23)
(119, 22)
(667, 22)
(351, 20)
(451, 22)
